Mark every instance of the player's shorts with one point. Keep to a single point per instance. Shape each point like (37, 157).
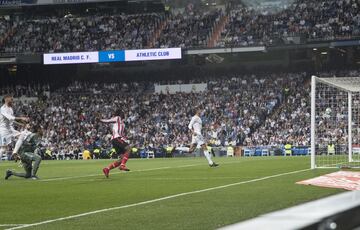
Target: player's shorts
(198, 140)
(119, 145)
(6, 137)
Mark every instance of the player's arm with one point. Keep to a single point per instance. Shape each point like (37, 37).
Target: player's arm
(191, 124)
(19, 124)
(13, 118)
(111, 120)
(18, 144)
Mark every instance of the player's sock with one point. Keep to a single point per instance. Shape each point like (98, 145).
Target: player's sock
(183, 149)
(2, 152)
(208, 157)
(124, 159)
(114, 165)
(123, 162)
(106, 172)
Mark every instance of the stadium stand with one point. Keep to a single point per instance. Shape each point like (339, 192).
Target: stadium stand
(81, 32)
(236, 110)
(257, 112)
(312, 20)
(291, 122)
(262, 110)
(189, 29)
(304, 19)
(248, 64)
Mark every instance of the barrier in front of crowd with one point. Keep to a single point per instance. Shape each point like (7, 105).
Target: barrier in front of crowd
(162, 152)
(239, 151)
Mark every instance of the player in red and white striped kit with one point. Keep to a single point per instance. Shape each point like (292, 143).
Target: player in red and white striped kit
(118, 141)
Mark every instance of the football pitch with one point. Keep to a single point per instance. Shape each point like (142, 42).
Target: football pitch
(173, 193)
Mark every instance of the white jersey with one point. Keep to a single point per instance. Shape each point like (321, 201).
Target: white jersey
(7, 118)
(196, 124)
(7, 131)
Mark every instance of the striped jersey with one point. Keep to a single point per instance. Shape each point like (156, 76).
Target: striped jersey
(118, 127)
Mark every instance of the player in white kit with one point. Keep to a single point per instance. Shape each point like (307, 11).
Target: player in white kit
(197, 139)
(7, 120)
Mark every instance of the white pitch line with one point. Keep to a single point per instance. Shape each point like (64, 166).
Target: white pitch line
(92, 175)
(173, 179)
(185, 178)
(155, 200)
(142, 170)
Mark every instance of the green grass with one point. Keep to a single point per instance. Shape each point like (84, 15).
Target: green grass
(26, 201)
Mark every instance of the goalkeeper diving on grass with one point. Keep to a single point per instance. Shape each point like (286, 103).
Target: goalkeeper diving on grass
(27, 150)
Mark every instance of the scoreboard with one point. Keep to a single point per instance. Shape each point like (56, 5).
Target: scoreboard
(112, 56)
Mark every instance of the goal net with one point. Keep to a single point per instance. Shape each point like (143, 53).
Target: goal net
(335, 122)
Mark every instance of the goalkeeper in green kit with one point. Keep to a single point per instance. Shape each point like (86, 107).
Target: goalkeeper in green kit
(27, 149)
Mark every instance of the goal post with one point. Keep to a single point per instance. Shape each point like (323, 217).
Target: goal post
(335, 122)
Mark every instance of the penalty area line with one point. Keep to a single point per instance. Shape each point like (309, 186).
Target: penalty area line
(157, 200)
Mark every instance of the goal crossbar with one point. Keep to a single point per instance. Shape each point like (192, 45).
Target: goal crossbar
(348, 84)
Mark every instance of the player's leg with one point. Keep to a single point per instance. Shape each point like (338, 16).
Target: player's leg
(2, 151)
(111, 166)
(192, 148)
(28, 168)
(193, 144)
(206, 154)
(5, 140)
(36, 159)
(2, 147)
(118, 149)
(205, 150)
(125, 157)
(200, 142)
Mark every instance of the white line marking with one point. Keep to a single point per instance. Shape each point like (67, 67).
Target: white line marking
(172, 179)
(142, 170)
(92, 175)
(156, 200)
(184, 178)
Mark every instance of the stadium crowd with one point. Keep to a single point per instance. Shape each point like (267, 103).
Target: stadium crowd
(189, 29)
(31, 90)
(290, 123)
(314, 20)
(237, 109)
(247, 26)
(243, 110)
(81, 32)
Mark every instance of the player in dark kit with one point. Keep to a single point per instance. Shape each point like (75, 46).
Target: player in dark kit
(118, 141)
(27, 150)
